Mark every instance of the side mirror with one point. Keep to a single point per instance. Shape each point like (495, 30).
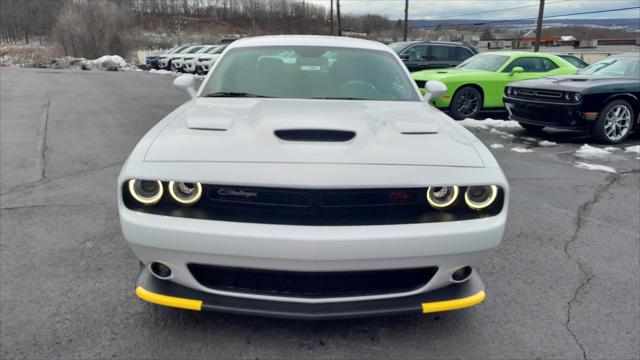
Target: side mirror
(517, 70)
(434, 89)
(404, 57)
(187, 83)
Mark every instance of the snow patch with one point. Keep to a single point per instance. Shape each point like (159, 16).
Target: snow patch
(546, 143)
(496, 146)
(588, 151)
(593, 167)
(611, 148)
(521, 150)
(485, 124)
(632, 149)
(161, 72)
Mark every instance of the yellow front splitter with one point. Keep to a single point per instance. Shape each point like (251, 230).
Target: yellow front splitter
(447, 305)
(171, 301)
(191, 304)
(452, 297)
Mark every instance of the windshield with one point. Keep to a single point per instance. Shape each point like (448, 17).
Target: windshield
(194, 50)
(398, 46)
(216, 50)
(486, 62)
(574, 61)
(310, 72)
(626, 66)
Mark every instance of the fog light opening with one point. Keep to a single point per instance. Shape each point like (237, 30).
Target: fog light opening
(160, 270)
(462, 274)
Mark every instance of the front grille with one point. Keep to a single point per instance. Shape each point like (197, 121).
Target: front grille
(311, 284)
(314, 207)
(537, 94)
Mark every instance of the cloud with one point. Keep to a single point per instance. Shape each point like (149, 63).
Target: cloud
(436, 9)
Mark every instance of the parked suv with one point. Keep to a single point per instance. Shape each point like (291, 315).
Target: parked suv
(421, 55)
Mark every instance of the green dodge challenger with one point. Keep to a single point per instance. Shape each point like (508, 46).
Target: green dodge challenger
(478, 83)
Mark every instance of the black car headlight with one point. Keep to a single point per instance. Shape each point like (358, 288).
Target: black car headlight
(509, 90)
(146, 192)
(577, 97)
(442, 197)
(480, 197)
(185, 193)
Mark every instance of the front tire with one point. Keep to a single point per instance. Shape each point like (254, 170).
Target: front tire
(530, 127)
(466, 103)
(614, 123)
(173, 67)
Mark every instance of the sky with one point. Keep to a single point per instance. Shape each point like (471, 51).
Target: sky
(456, 9)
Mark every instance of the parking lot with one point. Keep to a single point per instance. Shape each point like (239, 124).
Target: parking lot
(565, 282)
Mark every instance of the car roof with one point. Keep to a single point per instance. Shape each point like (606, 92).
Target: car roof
(519, 53)
(413, 42)
(309, 40)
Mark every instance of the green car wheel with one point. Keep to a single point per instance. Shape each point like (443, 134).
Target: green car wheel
(466, 103)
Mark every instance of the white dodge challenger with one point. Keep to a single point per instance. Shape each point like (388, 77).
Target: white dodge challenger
(309, 178)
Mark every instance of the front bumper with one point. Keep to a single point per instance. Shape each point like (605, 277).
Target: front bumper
(557, 115)
(452, 297)
(189, 66)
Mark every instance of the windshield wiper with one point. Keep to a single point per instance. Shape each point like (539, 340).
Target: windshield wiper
(234, 94)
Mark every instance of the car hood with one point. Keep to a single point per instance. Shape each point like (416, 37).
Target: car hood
(575, 82)
(443, 74)
(244, 130)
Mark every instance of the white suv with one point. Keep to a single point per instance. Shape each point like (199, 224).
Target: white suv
(318, 185)
(178, 61)
(189, 61)
(207, 59)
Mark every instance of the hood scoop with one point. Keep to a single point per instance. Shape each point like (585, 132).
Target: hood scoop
(314, 135)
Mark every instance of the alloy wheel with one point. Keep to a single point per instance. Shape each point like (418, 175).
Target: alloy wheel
(469, 103)
(617, 122)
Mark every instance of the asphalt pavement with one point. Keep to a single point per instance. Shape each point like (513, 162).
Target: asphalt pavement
(565, 282)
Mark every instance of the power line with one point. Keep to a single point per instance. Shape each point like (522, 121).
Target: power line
(525, 19)
(501, 10)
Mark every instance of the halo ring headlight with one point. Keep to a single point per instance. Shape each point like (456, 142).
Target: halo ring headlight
(185, 193)
(485, 200)
(442, 197)
(146, 192)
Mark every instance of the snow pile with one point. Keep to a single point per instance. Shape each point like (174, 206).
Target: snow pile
(162, 72)
(521, 150)
(485, 124)
(104, 63)
(496, 146)
(594, 167)
(632, 149)
(588, 151)
(545, 143)
(110, 63)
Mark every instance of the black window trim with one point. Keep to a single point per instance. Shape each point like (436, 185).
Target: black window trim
(530, 57)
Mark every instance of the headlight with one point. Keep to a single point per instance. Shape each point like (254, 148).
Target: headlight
(577, 96)
(146, 192)
(568, 96)
(509, 90)
(184, 192)
(480, 197)
(442, 197)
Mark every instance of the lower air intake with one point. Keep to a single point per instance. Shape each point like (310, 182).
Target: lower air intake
(311, 284)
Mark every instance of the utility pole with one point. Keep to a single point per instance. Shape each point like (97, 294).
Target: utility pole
(338, 14)
(331, 18)
(539, 26)
(406, 18)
